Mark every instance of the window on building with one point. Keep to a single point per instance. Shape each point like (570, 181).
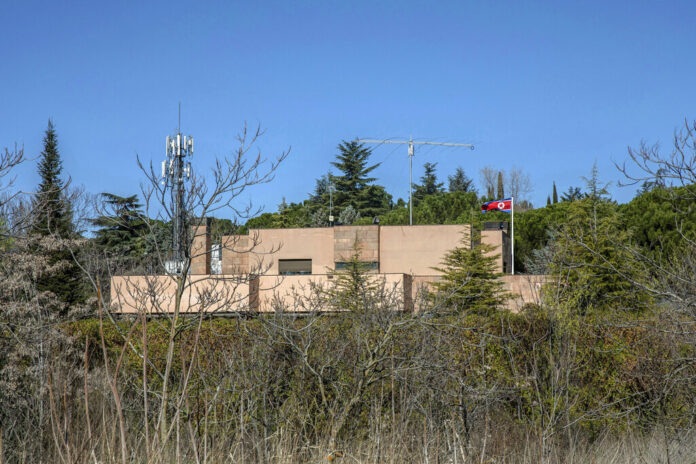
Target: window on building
(294, 266)
(368, 265)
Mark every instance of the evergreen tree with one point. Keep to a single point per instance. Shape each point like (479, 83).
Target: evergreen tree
(348, 216)
(555, 193)
(52, 224)
(489, 192)
(354, 187)
(52, 211)
(460, 182)
(429, 184)
(595, 188)
(122, 227)
(573, 193)
(594, 261)
(320, 195)
(501, 188)
(353, 289)
(352, 162)
(548, 200)
(470, 281)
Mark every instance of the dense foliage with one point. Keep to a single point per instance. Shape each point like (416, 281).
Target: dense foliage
(608, 352)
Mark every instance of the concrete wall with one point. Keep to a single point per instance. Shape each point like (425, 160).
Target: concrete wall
(200, 249)
(260, 251)
(526, 289)
(303, 293)
(156, 294)
(315, 243)
(235, 253)
(500, 241)
(418, 249)
(397, 249)
(270, 293)
(365, 237)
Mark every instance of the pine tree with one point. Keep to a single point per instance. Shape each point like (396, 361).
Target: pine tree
(348, 216)
(470, 281)
(429, 184)
(321, 190)
(53, 221)
(501, 188)
(460, 182)
(555, 193)
(120, 231)
(53, 215)
(595, 188)
(352, 162)
(353, 289)
(595, 267)
(354, 187)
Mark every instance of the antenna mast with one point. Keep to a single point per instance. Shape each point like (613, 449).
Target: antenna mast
(411, 152)
(174, 172)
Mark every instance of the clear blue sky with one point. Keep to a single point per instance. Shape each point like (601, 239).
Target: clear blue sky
(547, 86)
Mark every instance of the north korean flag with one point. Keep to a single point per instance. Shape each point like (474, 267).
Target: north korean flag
(504, 205)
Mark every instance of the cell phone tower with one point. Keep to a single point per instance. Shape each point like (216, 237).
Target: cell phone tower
(175, 171)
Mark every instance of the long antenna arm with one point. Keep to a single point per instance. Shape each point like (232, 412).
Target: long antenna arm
(411, 144)
(408, 142)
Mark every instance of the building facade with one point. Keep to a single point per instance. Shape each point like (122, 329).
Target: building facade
(280, 269)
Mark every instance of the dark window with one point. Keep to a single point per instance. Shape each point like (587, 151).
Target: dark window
(294, 266)
(367, 265)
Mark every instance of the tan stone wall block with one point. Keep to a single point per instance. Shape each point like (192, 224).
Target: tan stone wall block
(367, 238)
(200, 250)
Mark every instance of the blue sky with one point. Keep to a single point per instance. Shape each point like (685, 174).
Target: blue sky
(546, 86)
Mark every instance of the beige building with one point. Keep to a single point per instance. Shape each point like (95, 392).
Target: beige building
(282, 269)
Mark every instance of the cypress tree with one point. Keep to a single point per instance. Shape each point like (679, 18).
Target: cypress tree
(53, 218)
(501, 188)
(548, 200)
(52, 212)
(555, 193)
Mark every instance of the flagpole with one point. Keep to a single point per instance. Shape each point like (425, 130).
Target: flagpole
(512, 204)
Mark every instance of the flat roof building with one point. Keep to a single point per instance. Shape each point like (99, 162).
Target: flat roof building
(277, 269)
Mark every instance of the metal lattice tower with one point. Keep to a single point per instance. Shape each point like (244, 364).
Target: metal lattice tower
(175, 171)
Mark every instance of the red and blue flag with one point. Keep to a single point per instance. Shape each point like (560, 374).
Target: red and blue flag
(504, 205)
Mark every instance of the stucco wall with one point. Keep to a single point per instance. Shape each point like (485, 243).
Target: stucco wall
(155, 294)
(417, 249)
(200, 250)
(526, 289)
(260, 251)
(365, 237)
(500, 241)
(301, 293)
